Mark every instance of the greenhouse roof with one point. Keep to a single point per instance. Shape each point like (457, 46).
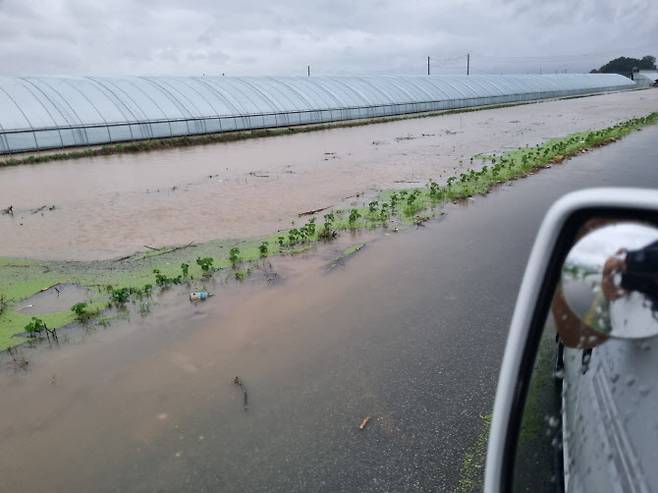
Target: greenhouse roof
(47, 112)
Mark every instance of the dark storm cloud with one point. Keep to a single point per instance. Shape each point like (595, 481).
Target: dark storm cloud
(339, 36)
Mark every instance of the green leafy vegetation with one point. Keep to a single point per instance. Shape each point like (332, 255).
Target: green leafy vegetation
(4, 303)
(206, 263)
(81, 312)
(161, 280)
(263, 249)
(234, 257)
(35, 327)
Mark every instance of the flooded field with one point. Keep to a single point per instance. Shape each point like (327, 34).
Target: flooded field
(410, 332)
(111, 206)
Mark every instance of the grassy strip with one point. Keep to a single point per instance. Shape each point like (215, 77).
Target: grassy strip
(133, 147)
(132, 278)
(471, 472)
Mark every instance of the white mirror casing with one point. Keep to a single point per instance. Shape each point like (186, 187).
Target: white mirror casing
(531, 309)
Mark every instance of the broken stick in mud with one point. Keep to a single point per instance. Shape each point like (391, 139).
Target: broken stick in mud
(242, 386)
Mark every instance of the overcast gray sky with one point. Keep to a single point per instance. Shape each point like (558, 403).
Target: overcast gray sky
(248, 37)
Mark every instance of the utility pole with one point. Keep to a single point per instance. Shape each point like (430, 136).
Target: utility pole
(308, 70)
(428, 65)
(468, 64)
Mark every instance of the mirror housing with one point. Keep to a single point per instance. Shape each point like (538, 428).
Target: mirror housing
(557, 235)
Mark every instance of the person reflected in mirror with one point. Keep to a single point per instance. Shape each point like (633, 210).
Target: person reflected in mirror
(632, 270)
(571, 330)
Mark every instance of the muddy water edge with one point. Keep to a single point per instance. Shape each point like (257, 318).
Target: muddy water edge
(409, 331)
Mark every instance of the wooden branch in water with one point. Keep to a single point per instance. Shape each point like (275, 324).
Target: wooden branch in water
(163, 252)
(314, 211)
(160, 251)
(242, 386)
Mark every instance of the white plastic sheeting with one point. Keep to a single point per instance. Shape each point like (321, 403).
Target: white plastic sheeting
(56, 112)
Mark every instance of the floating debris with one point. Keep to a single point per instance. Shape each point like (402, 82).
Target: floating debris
(364, 423)
(238, 382)
(200, 295)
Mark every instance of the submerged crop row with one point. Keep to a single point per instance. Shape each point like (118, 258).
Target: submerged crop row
(135, 279)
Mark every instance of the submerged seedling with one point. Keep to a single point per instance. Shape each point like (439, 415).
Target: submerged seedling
(81, 311)
(205, 263)
(263, 249)
(354, 217)
(35, 327)
(234, 256)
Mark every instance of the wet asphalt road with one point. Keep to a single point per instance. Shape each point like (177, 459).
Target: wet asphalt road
(410, 332)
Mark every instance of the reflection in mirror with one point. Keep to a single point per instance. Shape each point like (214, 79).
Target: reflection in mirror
(610, 282)
(589, 422)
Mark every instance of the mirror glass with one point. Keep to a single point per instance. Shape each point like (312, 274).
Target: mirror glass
(590, 422)
(610, 282)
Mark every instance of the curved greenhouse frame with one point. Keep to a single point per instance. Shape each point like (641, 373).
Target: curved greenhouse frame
(55, 112)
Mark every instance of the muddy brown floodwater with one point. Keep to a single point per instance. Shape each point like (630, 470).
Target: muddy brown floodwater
(111, 206)
(409, 332)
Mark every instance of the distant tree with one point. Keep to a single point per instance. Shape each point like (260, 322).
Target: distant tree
(624, 65)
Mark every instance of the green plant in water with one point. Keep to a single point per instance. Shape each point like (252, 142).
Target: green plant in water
(161, 280)
(354, 217)
(263, 249)
(394, 200)
(308, 230)
(372, 206)
(120, 296)
(206, 263)
(384, 213)
(81, 311)
(4, 303)
(435, 190)
(281, 240)
(185, 269)
(35, 327)
(234, 256)
(240, 275)
(327, 232)
(293, 234)
(412, 203)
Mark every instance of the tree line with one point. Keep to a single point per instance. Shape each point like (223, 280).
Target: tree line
(625, 65)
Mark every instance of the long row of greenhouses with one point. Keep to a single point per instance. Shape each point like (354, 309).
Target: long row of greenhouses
(56, 112)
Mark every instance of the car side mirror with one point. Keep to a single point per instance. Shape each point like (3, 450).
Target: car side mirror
(587, 302)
